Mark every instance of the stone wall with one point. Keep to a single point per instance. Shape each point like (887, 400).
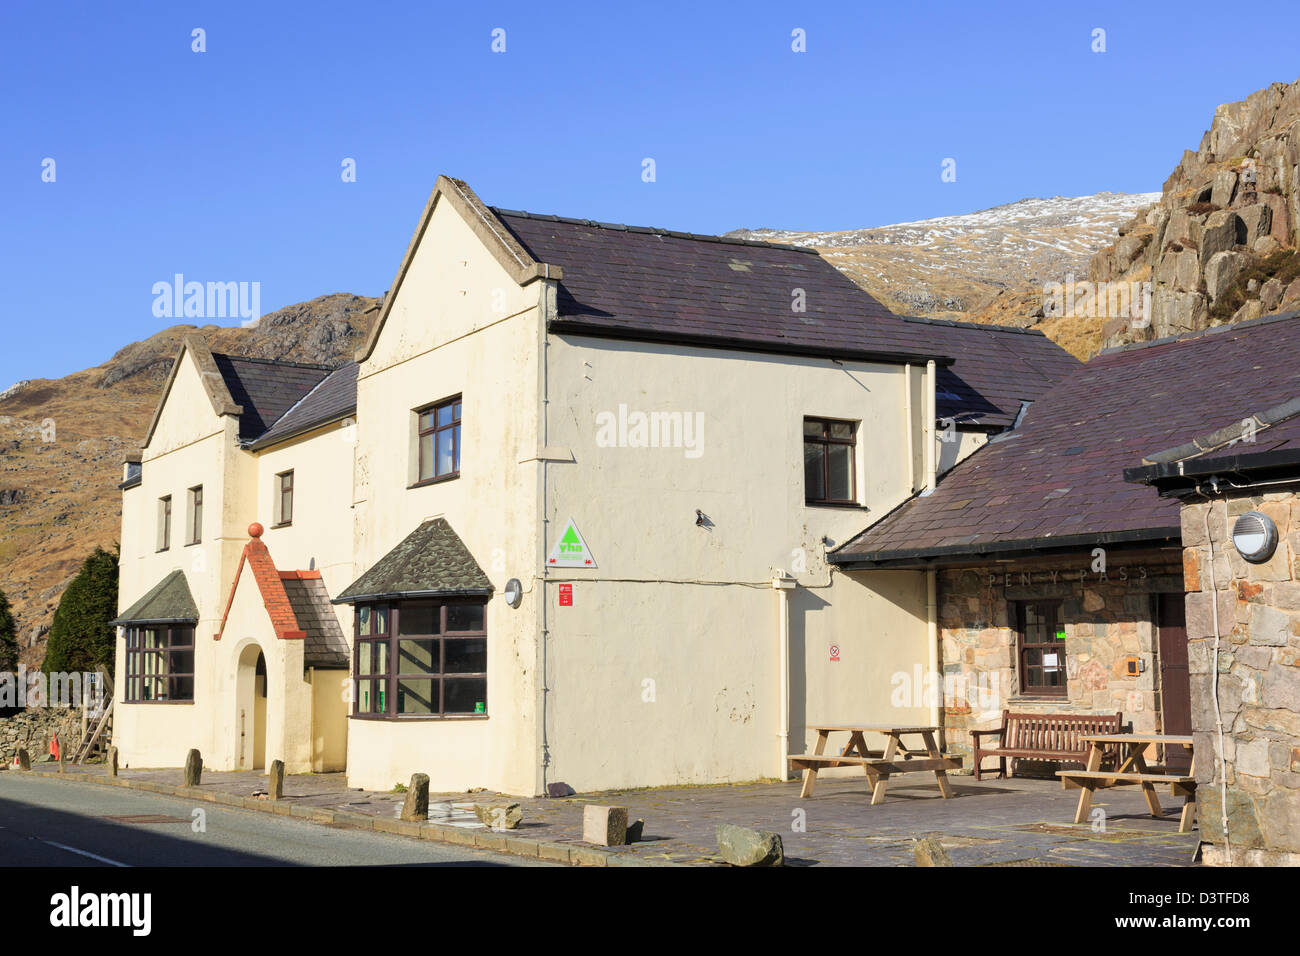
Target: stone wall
(1108, 617)
(1258, 682)
(34, 728)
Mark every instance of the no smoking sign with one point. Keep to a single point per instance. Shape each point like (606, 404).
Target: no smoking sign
(835, 652)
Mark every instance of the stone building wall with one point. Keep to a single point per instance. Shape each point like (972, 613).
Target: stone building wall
(1108, 617)
(1258, 682)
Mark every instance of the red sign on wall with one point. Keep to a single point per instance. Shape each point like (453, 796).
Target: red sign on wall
(835, 652)
(566, 595)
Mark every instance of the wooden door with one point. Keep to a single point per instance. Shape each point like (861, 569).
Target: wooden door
(1175, 687)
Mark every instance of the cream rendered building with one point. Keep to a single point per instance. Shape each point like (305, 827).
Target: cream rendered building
(564, 522)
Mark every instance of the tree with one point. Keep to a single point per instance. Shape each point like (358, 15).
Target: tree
(8, 639)
(81, 639)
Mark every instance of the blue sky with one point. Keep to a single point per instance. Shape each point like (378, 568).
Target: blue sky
(225, 165)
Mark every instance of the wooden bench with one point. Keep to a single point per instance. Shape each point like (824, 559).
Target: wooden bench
(879, 765)
(1027, 736)
(1130, 754)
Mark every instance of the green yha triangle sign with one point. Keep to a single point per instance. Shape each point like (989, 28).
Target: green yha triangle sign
(571, 550)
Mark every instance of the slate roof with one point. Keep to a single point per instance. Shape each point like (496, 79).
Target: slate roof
(266, 389)
(325, 646)
(432, 561)
(167, 602)
(334, 397)
(1264, 444)
(1059, 480)
(656, 285)
(996, 368)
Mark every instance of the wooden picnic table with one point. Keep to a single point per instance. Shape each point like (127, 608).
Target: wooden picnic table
(1131, 768)
(879, 765)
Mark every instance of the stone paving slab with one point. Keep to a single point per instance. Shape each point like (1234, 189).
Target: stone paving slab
(1022, 822)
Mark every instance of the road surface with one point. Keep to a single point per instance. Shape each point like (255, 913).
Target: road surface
(65, 823)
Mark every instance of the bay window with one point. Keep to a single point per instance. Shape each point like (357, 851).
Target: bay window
(421, 659)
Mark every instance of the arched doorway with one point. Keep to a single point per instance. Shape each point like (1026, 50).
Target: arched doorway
(250, 694)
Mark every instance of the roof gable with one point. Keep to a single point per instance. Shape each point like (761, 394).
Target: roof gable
(498, 240)
(214, 384)
(257, 557)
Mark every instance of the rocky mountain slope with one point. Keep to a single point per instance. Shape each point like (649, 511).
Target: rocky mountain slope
(1220, 244)
(990, 265)
(62, 442)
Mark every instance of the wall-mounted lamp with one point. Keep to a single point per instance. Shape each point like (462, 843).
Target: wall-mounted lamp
(1255, 537)
(514, 593)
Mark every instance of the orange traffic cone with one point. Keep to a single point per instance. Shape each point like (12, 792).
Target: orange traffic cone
(54, 747)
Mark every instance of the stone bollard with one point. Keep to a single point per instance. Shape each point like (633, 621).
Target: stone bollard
(604, 826)
(416, 805)
(24, 759)
(930, 852)
(742, 847)
(112, 761)
(193, 768)
(275, 787)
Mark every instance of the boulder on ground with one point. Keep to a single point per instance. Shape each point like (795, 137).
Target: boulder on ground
(743, 847)
(499, 816)
(930, 852)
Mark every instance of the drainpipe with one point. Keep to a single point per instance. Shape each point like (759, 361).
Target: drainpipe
(783, 586)
(932, 638)
(908, 427)
(928, 429)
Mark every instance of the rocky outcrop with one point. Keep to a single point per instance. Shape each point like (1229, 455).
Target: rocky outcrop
(1220, 245)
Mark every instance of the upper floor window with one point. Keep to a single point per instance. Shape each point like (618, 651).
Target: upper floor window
(439, 440)
(159, 664)
(829, 450)
(194, 531)
(1040, 640)
(284, 498)
(164, 523)
(421, 659)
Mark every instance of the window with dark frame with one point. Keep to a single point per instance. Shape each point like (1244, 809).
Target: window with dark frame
(829, 450)
(194, 532)
(439, 440)
(1041, 648)
(284, 498)
(159, 664)
(421, 659)
(164, 523)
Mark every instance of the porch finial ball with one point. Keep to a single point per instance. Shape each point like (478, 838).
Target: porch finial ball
(255, 530)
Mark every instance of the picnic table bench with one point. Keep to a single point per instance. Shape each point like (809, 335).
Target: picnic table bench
(1042, 737)
(879, 765)
(1131, 768)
